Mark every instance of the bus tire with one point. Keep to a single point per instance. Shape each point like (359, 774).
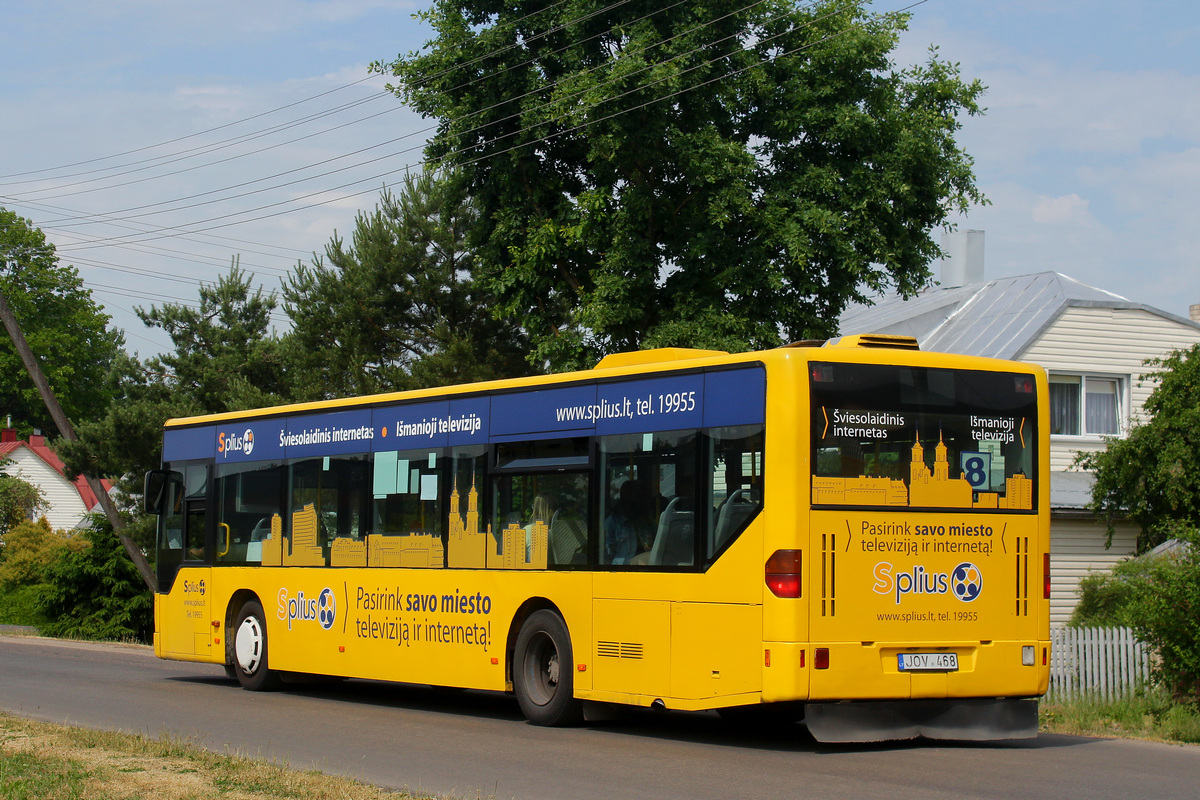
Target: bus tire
(250, 650)
(544, 671)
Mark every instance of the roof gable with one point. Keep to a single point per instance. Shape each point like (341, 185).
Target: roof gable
(37, 446)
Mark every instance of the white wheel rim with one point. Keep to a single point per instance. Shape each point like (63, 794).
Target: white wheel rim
(248, 646)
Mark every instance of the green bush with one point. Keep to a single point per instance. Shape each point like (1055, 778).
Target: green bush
(95, 592)
(1106, 599)
(19, 606)
(29, 548)
(1159, 597)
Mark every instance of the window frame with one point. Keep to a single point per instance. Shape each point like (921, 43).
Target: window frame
(1080, 379)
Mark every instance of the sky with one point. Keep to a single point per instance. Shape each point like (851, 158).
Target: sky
(155, 142)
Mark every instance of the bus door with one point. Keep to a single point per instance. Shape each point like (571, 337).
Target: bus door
(185, 553)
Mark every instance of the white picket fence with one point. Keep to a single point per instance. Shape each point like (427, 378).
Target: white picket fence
(1107, 663)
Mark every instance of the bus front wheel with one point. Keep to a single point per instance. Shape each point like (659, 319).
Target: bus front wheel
(250, 650)
(544, 671)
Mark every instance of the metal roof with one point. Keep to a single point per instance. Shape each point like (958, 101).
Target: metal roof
(998, 319)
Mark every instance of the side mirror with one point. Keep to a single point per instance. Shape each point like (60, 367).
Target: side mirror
(155, 491)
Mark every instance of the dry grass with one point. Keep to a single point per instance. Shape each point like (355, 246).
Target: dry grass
(41, 761)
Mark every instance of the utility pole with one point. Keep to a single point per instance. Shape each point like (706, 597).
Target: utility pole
(68, 432)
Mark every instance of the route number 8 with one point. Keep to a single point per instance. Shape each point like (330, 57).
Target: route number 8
(976, 468)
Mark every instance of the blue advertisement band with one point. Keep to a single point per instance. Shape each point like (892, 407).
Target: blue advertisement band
(659, 403)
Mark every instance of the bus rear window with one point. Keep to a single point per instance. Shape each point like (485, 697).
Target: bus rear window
(922, 438)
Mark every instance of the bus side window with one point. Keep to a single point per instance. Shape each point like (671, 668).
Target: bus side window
(409, 509)
(649, 510)
(735, 461)
(466, 538)
(539, 520)
(249, 495)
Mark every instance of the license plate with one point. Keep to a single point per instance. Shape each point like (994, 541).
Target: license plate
(928, 662)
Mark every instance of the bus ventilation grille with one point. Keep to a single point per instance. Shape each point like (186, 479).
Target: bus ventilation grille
(828, 573)
(618, 650)
(1022, 576)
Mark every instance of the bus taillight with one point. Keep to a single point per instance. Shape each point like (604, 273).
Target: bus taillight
(783, 573)
(1046, 576)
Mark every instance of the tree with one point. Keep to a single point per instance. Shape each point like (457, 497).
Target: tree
(62, 324)
(399, 307)
(27, 552)
(29, 548)
(225, 359)
(1153, 474)
(1158, 595)
(95, 592)
(688, 175)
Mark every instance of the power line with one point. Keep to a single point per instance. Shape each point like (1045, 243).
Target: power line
(626, 76)
(361, 150)
(206, 149)
(410, 149)
(523, 130)
(276, 128)
(190, 135)
(15, 202)
(136, 294)
(757, 43)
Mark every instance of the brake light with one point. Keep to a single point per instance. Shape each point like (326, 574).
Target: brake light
(821, 658)
(1046, 576)
(783, 573)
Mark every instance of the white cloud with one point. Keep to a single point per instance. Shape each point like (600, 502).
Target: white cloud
(1067, 210)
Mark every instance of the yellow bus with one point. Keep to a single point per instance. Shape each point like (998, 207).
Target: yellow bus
(856, 532)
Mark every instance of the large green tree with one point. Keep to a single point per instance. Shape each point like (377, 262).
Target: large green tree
(1153, 474)
(652, 174)
(398, 307)
(66, 330)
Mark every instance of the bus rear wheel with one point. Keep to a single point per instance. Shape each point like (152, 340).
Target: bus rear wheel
(544, 671)
(250, 650)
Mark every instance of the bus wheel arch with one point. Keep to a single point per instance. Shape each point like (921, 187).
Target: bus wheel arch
(247, 649)
(232, 609)
(542, 665)
(514, 630)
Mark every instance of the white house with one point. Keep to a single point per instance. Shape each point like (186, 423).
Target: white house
(1092, 343)
(69, 501)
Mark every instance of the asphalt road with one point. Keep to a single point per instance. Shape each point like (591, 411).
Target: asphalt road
(473, 744)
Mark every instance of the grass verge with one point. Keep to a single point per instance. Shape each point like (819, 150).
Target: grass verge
(1152, 715)
(41, 761)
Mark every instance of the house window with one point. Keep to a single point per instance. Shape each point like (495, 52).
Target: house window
(1084, 405)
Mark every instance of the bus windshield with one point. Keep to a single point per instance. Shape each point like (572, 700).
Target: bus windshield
(888, 435)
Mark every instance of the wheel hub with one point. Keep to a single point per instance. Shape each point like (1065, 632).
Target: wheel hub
(248, 645)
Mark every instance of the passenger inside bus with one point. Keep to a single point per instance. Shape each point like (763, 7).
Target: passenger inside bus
(627, 531)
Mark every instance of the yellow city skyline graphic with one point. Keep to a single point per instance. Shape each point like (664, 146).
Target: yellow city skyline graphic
(472, 548)
(926, 488)
(467, 546)
(306, 548)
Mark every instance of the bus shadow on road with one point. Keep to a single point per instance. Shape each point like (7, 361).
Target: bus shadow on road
(705, 727)
(710, 729)
(384, 694)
